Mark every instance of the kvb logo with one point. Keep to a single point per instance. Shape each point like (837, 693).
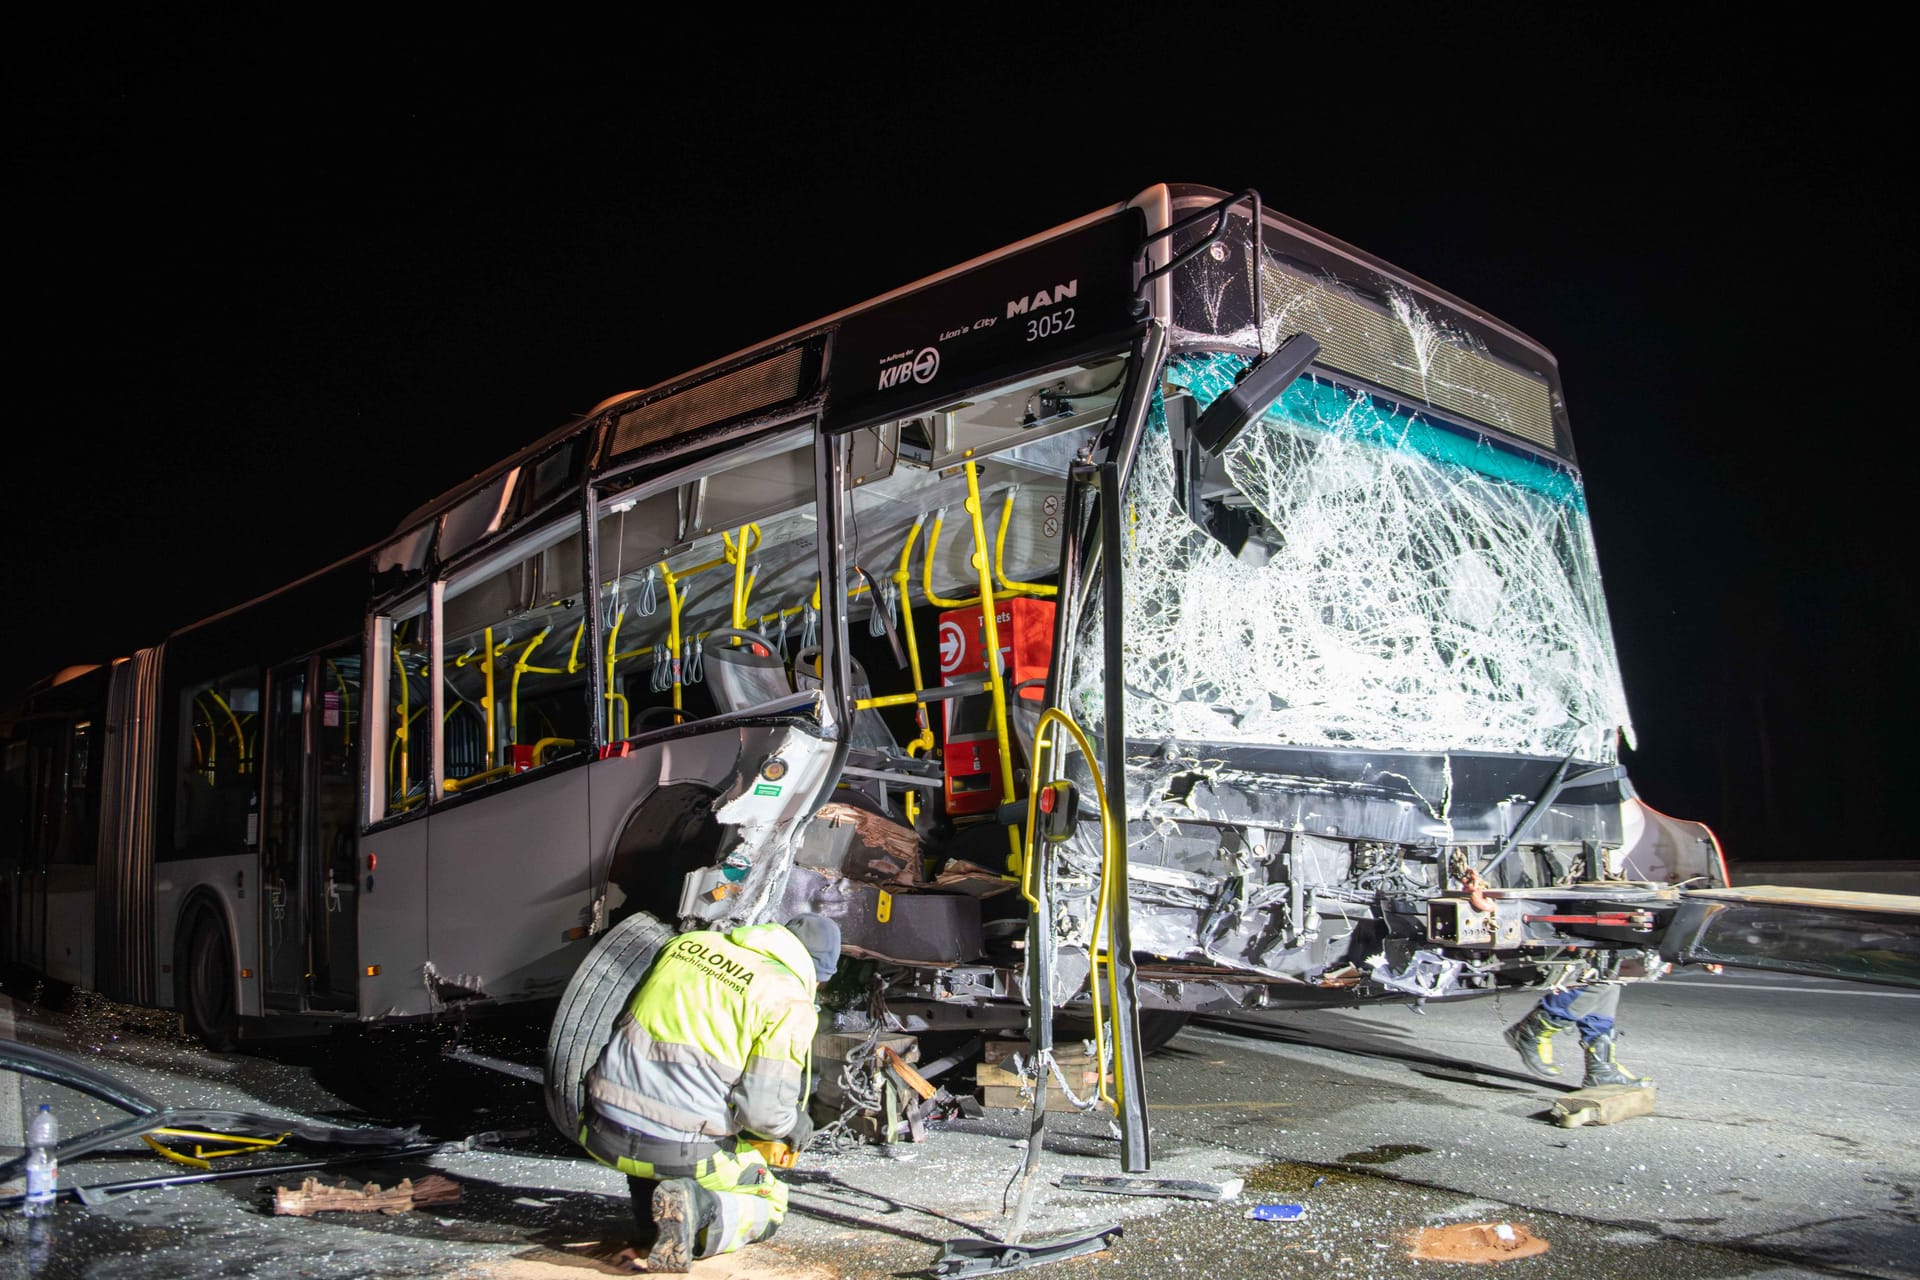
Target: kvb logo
(923, 368)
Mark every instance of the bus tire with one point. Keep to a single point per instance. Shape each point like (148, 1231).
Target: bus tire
(1158, 1027)
(595, 998)
(204, 984)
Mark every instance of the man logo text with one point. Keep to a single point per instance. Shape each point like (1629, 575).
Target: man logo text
(1061, 292)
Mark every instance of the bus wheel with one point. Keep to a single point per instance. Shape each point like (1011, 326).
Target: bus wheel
(203, 981)
(1158, 1027)
(599, 993)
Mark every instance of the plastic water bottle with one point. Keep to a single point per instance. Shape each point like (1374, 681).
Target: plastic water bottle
(43, 1168)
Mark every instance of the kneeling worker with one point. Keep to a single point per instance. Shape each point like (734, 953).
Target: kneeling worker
(713, 1051)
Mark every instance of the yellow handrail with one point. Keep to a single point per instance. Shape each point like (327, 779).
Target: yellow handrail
(1103, 909)
(742, 583)
(472, 779)
(400, 730)
(486, 701)
(346, 705)
(239, 734)
(926, 565)
(520, 668)
(901, 577)
(545, 745)
(990, 626)
(1000, 554)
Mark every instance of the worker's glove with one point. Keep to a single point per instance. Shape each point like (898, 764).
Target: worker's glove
(802, 1133)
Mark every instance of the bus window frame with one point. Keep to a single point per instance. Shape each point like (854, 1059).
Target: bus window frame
(476, 566)
(378, 649)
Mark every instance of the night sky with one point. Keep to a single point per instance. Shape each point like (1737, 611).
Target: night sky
(272, 286)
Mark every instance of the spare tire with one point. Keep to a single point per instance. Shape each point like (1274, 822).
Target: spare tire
(595, 998)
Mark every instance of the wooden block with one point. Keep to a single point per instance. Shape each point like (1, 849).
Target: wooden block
(839, 1044)
(1065, 1052)
(1602, 1104)
(315, 1196)
(1007, 1098)
(1079, 1078)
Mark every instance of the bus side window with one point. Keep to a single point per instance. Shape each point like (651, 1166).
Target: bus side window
(516, 662)
(399, 713)
(681, 568)
(216, 782)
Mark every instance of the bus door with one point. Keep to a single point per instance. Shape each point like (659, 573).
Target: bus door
(36, 776)
(307, 853)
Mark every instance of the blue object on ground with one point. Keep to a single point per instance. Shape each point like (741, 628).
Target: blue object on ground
(1277, 1212)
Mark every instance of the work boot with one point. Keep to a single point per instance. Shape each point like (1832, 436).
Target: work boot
(1604, 1068)
(1532, 1038)
(682, 1209)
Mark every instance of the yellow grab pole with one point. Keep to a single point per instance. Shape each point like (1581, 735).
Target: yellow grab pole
(1103, 909)
(487, 700)
(990, 626)
(901, 578)
(520, 668)
(673, 628)
(400, 731)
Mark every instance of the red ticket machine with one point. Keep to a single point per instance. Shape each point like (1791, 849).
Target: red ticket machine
(972, 756)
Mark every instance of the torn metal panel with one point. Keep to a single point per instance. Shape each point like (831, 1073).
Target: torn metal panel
(918, 928)
(145, 1113)
(1863, 937)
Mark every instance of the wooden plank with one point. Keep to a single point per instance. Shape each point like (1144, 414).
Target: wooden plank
(1005, 1098)
(1602, 1104)
(314, 1196)
(1078, 1078)
(1067, 1053)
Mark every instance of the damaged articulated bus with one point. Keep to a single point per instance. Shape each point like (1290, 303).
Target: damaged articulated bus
(1177, 612)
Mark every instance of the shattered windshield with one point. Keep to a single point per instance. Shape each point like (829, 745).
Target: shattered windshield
(1365, 577)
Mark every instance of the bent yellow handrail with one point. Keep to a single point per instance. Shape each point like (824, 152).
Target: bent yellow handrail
(1103, 908)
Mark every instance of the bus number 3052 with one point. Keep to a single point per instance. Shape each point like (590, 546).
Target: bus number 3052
(1048, 325)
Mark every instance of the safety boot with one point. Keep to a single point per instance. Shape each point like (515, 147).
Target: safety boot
(1604, 1068)
(682, 1209)
(1532, 1038)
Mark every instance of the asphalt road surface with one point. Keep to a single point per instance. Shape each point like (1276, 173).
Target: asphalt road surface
(1784, 1143)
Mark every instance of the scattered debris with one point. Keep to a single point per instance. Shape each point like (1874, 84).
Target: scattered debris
(1603, 1104)
(1012, 1090)
(1475, 1242)
(315, 1196)
(970, 1257)
(1277, 1212)
(1175, 1188)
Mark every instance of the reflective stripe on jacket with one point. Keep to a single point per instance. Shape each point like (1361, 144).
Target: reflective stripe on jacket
(715, 1042)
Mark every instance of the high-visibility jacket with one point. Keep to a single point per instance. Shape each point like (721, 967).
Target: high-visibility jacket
(716, 1041)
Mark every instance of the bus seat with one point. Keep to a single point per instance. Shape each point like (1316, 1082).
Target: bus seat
(743, 675)
(870, 732)
(1023, 714)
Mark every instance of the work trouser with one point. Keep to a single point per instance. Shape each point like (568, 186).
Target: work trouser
(1591, 1007)
(752, 1202)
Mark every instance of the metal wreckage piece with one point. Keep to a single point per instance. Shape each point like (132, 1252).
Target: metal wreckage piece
(146, 1114)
